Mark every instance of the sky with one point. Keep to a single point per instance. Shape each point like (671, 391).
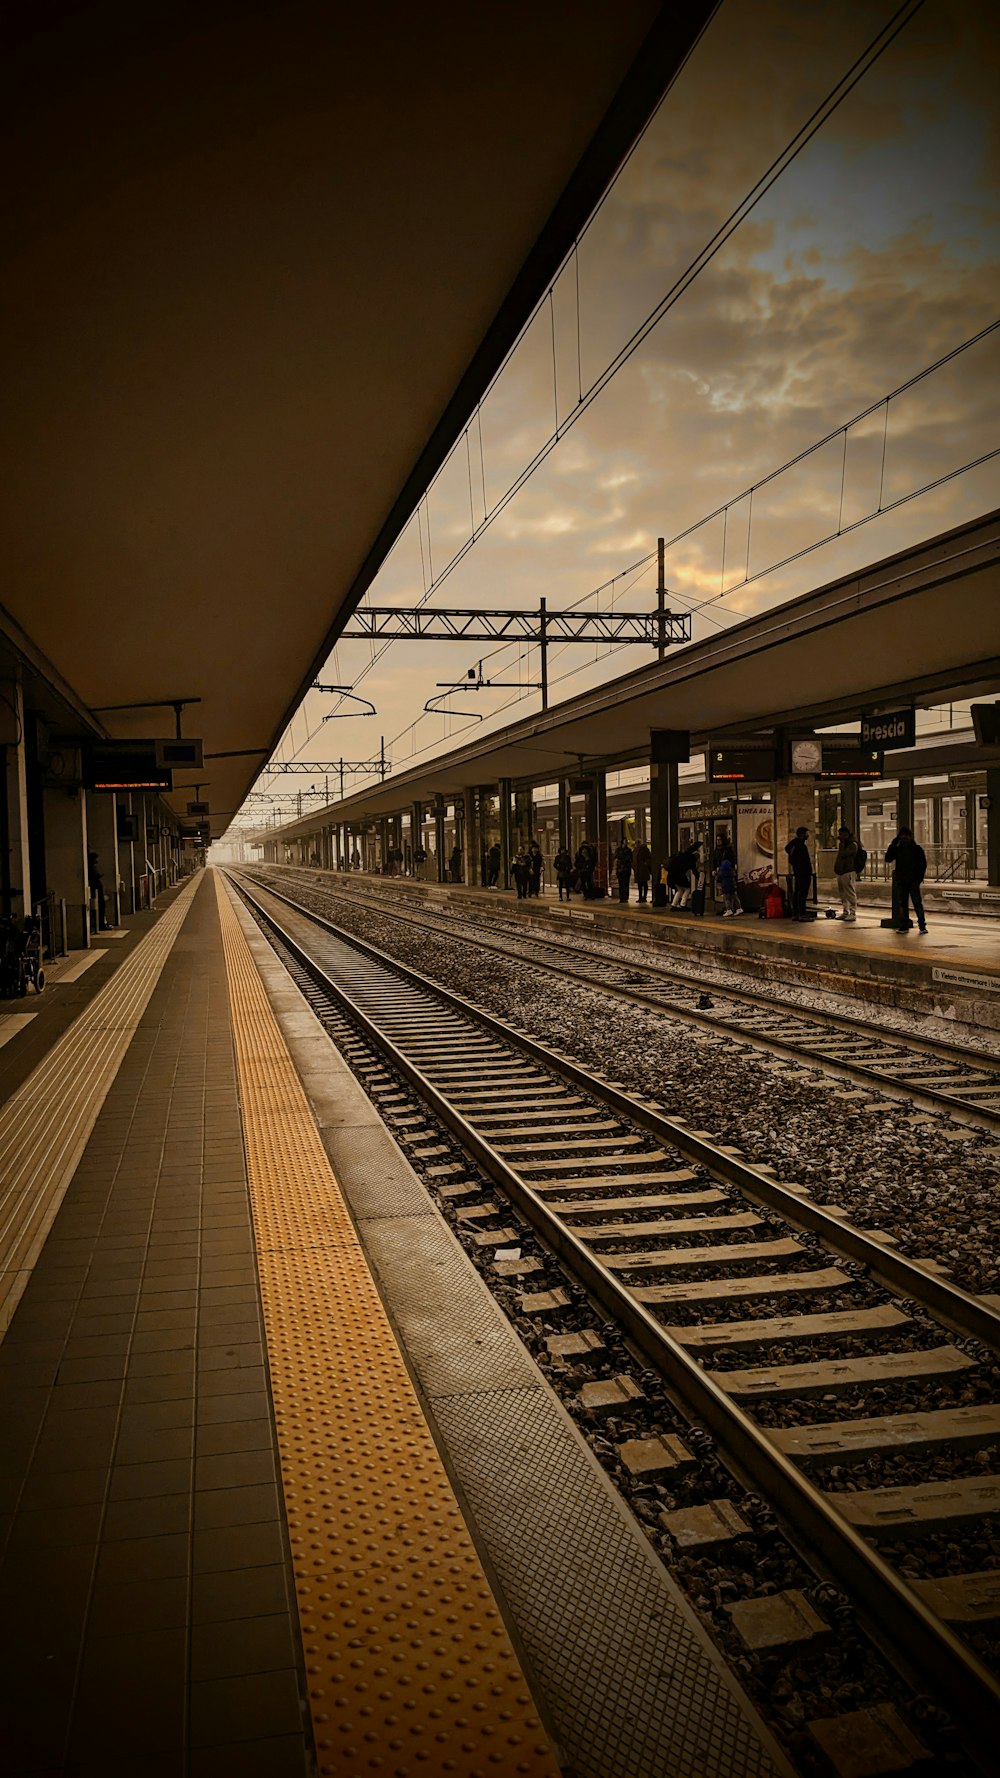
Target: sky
(874, 254)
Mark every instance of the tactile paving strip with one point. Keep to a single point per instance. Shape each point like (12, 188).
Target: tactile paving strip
(46, 1123)
(628, 1677)
(408, 1661)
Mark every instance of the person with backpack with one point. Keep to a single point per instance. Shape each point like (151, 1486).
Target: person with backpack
(520, 870)
(849, 863)
(909, 867)
(726, 878)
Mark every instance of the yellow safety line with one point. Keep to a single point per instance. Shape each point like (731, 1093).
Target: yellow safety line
(408, 1662)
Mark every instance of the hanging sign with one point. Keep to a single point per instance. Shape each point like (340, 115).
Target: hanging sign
(894, 728)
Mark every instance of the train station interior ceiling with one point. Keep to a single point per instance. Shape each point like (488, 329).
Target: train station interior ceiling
(259, 263)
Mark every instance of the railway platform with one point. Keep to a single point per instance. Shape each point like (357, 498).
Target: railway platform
(275, 1498)
(952, 971)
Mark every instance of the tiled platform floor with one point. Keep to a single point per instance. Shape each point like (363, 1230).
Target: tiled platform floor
(146, 1625)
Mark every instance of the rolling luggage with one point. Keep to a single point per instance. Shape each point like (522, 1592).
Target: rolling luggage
(698, 901)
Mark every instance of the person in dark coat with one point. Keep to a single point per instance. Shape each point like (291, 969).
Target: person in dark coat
(586, 864)
(493, 866)
(563, 866)
(535, 863)
(455, 864)
(95, 883)
(642, 864)
(623, 869)
(677, 880)
(801, 866)
(909, 868)
(520, 870)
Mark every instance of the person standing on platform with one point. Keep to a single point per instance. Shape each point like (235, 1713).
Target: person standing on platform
(521, 873)
(493, 866)
(623, 869)
(909, 868)
(642, 864)
(696, 877)
(725, 876)
(455, 864)
(562, 864)
(586, 864)
(800, 865)
(845, 867)
(535, 863)
(678, 879)
(95, 884)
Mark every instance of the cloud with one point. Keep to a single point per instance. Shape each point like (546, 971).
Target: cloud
(878, 252)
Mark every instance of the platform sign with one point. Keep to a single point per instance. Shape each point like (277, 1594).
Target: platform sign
(124, 765)
(755, 842)
(733, 764)
(179, 753)
(197, 808)
(894, 728)
(851, 762)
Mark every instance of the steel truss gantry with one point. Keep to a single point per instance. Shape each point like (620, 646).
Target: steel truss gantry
(389, 624)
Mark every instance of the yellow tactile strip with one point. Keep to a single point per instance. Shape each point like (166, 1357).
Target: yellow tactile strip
(409, 1666)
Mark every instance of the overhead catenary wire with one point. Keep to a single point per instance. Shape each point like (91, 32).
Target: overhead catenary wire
(820, 115)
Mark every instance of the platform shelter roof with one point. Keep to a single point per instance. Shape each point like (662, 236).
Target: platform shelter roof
(921, 626)
(260, 264)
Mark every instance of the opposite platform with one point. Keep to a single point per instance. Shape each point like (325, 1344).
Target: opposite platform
(953, 971)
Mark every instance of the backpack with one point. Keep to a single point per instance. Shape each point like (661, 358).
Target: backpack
(860, 860)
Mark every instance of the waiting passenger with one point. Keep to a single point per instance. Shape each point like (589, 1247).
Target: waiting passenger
(455, 864)
(801, 867)
(623, 869)
(493, 866)
(520, 870)
(725, 876)
(909, 868)
(95, 883)
(563, 865)
(535, 863)
(678, 879)
(642, 864)
(844, 869)
(586, 865)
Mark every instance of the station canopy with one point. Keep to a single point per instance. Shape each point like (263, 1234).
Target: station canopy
(260, 263)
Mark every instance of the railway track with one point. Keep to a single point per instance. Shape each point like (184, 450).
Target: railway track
(810, 1351)
(928, 1073)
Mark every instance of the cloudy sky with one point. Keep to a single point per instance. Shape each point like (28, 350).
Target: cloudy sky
(873, 255)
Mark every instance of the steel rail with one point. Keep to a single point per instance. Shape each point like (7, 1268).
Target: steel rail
(912, 1637)
(959, 1309)
(926, 1098)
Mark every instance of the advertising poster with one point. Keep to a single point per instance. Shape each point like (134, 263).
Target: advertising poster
(755, 843)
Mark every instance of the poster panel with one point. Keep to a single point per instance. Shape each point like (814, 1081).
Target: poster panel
(755, 842)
